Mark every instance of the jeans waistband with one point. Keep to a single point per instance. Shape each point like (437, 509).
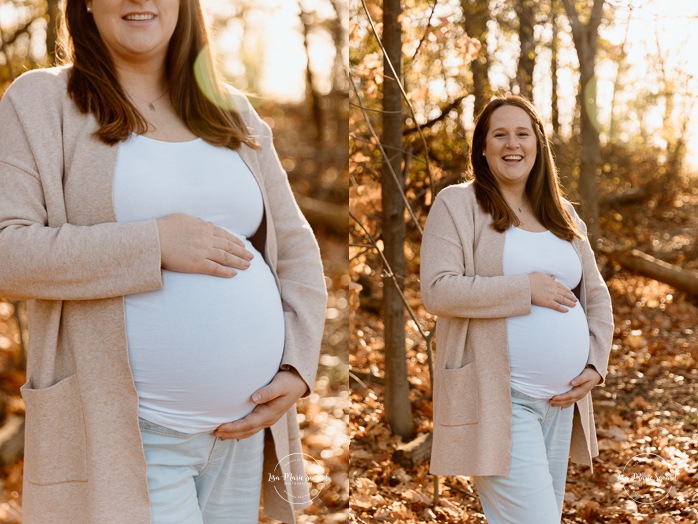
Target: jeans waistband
(518, 394)
(152, 427)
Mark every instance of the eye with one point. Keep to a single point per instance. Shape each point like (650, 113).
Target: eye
(499, 135)
(524, 133)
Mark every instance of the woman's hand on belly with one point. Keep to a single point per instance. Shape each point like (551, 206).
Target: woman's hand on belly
(581, 385)
(191, 245)
(548, 292)
(273, 400)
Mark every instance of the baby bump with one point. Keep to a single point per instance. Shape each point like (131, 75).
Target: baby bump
(201, 345)
(547, 349)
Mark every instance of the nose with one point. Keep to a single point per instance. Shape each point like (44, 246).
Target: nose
(512, 142)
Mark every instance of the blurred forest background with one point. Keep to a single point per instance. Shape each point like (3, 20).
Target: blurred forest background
(615, 80)
(291, 56)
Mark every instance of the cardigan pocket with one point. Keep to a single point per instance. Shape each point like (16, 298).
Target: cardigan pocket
(458, 397)
(55, 443)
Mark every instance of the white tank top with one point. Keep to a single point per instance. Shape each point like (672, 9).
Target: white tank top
(547, 348)
(201, 345)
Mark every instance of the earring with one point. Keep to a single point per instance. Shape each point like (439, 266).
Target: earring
(89, 8)
(483, 154)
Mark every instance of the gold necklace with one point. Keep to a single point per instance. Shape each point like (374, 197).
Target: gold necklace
(522, 204)
(150, 104)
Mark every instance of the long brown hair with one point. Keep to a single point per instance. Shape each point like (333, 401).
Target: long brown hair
(542, 187)
(94, 88)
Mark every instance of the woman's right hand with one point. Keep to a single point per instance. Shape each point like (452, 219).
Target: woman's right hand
(548, 292)
(191, 245)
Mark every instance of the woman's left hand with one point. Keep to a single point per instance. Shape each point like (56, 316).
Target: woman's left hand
(273, 400)
(581, 385)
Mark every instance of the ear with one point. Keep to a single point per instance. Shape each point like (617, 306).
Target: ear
(88, 6)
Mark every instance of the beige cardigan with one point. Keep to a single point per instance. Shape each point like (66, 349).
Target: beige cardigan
(462, 283)
(60, 245)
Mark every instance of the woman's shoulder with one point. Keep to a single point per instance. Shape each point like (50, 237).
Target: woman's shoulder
(39, 84)
(458, 191)
(455, 204)
(459, 194)
(239, 101)
(569, 207)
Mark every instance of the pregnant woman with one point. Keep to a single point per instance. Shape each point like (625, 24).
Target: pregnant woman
(176, 291)
(525, 322)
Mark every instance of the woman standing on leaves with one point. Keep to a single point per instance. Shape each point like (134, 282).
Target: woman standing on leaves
(525, 322)
(177, 291)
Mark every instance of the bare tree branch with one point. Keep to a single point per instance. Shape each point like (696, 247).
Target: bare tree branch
(382, 150)
(426, 31)
(402, 89)
(430, 123)
(389, 273)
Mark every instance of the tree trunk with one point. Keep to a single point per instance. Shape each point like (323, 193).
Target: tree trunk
(585, 38)
(554, 47)
(340, 39)
(617, 82)
(525, 12)
(649, 266)
(310, 90)
(476, 13)
(397, 394)
(54, 13)
(414, 452)
(11, 440)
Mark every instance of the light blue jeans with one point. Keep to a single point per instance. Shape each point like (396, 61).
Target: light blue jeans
(200, 479)
(533, 491)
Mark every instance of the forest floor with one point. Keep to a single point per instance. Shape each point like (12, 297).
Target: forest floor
(646, 414)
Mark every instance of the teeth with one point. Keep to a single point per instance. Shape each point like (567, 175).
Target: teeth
(140, 17)
(513, 157)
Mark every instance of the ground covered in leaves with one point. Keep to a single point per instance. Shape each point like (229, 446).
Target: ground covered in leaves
(646, 414)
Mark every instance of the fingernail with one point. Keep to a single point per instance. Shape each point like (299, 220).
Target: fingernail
(256, 397)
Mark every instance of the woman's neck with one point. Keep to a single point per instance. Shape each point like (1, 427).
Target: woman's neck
(141, 81)
(514, 196)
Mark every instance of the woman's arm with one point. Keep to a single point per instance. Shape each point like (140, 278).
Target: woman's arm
(303, 296)
(46, 259)
(299, 266)
(65, 262)
(599, 310)
(449, 288)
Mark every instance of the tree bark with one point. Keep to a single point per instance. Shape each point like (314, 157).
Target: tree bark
(397, 398)
(585, 38)
(525, 12)
(476, 13)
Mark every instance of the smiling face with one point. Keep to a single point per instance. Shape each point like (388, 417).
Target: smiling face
(510, 146)
(135, 31)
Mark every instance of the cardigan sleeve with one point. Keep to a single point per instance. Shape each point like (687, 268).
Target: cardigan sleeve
(599, 310)
(67, 262)
(299, 266)
(449, 285)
